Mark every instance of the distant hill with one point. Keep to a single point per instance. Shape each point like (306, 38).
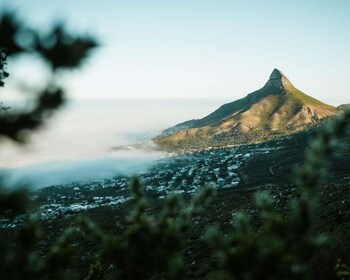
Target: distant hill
(277, 109)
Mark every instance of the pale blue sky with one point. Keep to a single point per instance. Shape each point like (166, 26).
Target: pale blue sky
(201, 49)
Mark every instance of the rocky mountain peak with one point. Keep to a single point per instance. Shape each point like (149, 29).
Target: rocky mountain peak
(276, 74)
(278, 81)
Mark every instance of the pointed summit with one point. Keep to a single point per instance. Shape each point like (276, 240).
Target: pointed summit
(277, 82)
(276, 74)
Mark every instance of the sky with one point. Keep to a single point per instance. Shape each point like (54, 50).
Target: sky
(197, 49)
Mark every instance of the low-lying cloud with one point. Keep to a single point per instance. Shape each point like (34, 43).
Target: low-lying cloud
(81, 142)
(59, 173)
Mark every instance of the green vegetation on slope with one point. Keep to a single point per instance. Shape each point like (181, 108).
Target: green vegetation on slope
(277, 109)
(302, 98)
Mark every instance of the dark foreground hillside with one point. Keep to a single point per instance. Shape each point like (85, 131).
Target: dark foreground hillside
(270, 172)
(332, 219)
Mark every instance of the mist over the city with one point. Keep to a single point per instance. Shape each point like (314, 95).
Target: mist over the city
(86, 141)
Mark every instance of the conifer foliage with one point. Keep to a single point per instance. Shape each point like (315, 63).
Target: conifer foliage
(3, 73)
(59, 49)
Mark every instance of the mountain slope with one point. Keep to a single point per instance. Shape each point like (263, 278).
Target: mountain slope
(278, 108)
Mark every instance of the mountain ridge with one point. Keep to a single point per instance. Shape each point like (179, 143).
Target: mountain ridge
(276, 108)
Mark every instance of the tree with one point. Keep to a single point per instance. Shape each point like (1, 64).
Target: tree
(3, 73)
(59, 49)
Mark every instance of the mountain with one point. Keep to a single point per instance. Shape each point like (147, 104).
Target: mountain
(277, 109)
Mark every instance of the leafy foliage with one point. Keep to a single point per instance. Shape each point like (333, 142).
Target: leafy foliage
(16, 202)
(59, 49)
(343, 271)
(282, 248)
(152, 242)
(24, 261)
(3, 73)
(63, 50)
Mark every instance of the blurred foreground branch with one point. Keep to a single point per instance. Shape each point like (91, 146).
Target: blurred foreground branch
(59, 49)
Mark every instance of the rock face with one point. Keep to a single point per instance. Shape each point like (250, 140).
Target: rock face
(277, 109)
(278, 80)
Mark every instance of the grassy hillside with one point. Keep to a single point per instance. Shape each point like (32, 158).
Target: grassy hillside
(277, 109)
(302, 98)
